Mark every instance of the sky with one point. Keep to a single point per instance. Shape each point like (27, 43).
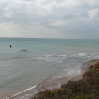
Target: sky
(70, 19)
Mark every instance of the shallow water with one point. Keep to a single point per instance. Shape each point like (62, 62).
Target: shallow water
(42, 59)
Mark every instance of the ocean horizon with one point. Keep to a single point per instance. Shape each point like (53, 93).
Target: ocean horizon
(29, 61)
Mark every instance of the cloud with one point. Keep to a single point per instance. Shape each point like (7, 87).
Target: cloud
(49, 18)
(94, 13)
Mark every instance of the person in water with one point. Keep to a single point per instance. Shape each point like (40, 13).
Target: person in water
(10, 46)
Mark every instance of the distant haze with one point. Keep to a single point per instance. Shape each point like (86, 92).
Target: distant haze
(49, 18)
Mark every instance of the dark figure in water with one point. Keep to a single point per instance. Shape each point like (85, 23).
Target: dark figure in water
(10, 46)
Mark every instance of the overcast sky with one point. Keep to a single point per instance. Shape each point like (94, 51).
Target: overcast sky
(49, 18)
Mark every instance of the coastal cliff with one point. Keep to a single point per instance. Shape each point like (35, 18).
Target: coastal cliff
(85, 88)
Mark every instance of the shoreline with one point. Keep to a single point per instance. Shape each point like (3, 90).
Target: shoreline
(85, 88)
(84, 68)
(45, 84)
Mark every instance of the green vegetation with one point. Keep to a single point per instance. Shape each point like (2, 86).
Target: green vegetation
(87, 88)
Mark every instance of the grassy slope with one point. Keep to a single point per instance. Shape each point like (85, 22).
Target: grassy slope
(87, 88)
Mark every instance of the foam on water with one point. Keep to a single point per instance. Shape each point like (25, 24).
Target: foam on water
(52, 58)
(81, 54)
(16, 94)
(74, 72)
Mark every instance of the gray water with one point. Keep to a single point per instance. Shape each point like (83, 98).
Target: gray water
(42, 59)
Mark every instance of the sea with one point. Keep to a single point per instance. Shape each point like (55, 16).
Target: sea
(30, 62)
